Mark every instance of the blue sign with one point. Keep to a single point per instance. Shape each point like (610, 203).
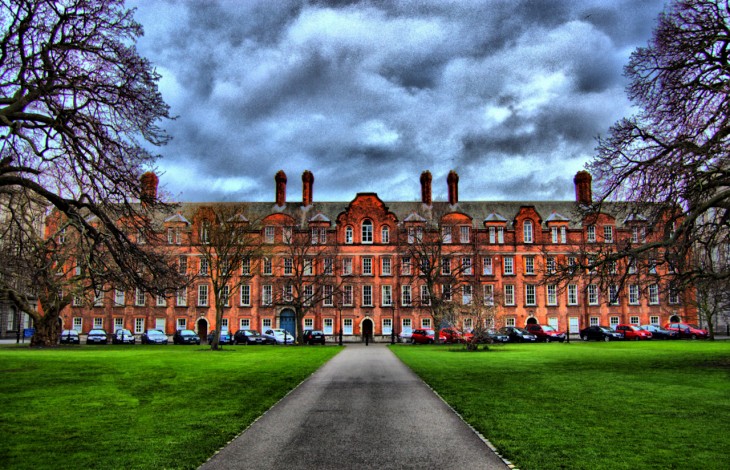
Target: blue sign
(28, 332)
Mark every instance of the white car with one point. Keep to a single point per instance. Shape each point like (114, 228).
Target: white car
(279, 335)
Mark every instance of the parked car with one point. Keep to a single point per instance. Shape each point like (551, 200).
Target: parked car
(279, 336)
(96, 336)
(489, 336)
(154, 337)
(687, 330)
(122, 336)
(452, 335)
(657, 332)
(185, 337)
(225, 338)
(405, 336)
(546, 333)
(313, 337)
(422, 336)
(632, 332)
(70, 337)
(517, 335)
(250, 337)
(603, 333)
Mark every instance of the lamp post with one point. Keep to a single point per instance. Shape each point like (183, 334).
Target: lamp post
(392, 325)
(339, 309)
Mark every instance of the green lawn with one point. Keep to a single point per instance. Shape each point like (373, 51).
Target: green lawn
(590, 405)
(138, 406)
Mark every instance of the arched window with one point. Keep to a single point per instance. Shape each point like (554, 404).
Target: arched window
(348, 235)
(385, 234)
(367, 232)
(527, 231)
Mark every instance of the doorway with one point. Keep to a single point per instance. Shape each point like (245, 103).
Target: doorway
(674, 319)
(532, 321)
(203, 329)
(367, 329)
(287, 321)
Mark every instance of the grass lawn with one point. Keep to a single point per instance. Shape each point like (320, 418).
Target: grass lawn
(138, 406)
(660, 404)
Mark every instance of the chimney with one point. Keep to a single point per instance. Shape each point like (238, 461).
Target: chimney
(148, 184)
(453, 181)
(280, 179)
(583, 191)
(307, 187)
(426, 187)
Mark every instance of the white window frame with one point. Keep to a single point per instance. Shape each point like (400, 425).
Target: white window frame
(348, 295)
(634, 294)
(592, 292)
(530, 295)
(466, 294)
(98, 322)
(425, 323)
(572, 294)
(347, 326)
(634, 319)
(488, 294)
(349, 235)
(367, 295)
(267, 295)
(161, 301)
(347, 266)
(181, 297)
(387, 327)
(385, 235)
(138, 326)
(466, 266)
(608, 233)
(464, 234)
(78, 323)
(527, 232)
(367, 265)
(529, 265)
(328, 326)
(406, 265)
(487, 266)
(405, 296)
(366, 232)
(509, 294)
(181, 324)
(244, 324)
(386, 295)
(591, 234)
(118, 298)
(386, 266)
(269, 234)
(509, 265)
(139, 297)
(552, 295)
(653, 294)
(203, 298)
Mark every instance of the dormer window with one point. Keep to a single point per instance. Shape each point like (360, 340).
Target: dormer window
(464, 232)
(608, 234)
(269, 234)
(527, 231)
(367, 232)
(205, 233)
(348, 235)
(591, 233)
(446, 234)
(385, 235)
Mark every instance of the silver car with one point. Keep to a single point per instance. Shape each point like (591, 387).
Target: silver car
(279, 335)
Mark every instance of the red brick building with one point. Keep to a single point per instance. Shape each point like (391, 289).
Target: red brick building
(505, 246)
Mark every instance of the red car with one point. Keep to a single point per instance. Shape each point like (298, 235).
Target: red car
(633, 332)
(452, 335)
(687, 330)
(546, 333)
(425, 336)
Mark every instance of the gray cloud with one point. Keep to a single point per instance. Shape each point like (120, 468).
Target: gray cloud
(368, 94)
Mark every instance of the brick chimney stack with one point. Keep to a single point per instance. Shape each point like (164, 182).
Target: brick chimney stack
(426, 187)
(307, 188)
(280, 179)
(148, 183)
(583, 191)
(453, 181)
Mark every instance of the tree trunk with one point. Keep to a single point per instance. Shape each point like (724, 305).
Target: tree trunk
(47, 331)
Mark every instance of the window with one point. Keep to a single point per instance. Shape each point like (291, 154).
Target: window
(328, 299)
(509, 265)
(406, 325)
(613, 321)
(552, 294)
(554, 234)
(367, 232)
(608, 234)
(613, 294)
(328, 326)
(529, 265)
(632, 265)
(226, 295)
(612, 267)
(266, 295)
(654, 294)
(446, 266)
(592, 294)
(425, 296)
(593, 321)
(467, 324)
(387, 326)
(76, 302)
(266, 268)
(346, 266)
(347, 295)
(347, 326)
(634, 320)
(348, 235)
(385, 235)
(202, 295)
(329, 264)
(466, 266)
(138, 326)
(446, 292)
(446, 234)
(654, 319)
(98, 322)
(387, 296)
(118, 324)
(673, 296)
(288, 266)
(633, 294)
(269, 232)
(98, 298)
(161, 301)
(367, 266)
(488, 294)
(178, 236)
(509, 294)
(385, 266)
(637, 234)
(492, 235)
(527, 231)
(530, 295)
(367, 296)
(510, 321)
(118, 298)
(170, 236)
(652, 266)
(244, 324)
(500, 234)
(405, 297)
(181, 297)
(245, 295)
(77, 323)
(563, 235)
(415, 234)
(246, 267)
(315, 236)
(138, 297)
(464, 233)
(287, 293)
(160, 324)
(405, 265)
(308, 267)
(203, 266)
(487, 266)
(466, 294)
(551, 265)
(309, 323)
(572, 294)
(425, 323)
(591, 233)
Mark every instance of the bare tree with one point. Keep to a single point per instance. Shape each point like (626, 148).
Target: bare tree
(228, 243)
(76, 104)
(670, 160)
(309, 275)
(481, 310)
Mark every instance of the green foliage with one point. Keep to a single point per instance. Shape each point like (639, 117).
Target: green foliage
(591, 405)
(138, 407)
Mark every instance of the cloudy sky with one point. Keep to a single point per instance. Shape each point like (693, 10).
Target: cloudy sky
(368, 94)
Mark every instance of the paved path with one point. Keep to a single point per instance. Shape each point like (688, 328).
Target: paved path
(363, 409)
